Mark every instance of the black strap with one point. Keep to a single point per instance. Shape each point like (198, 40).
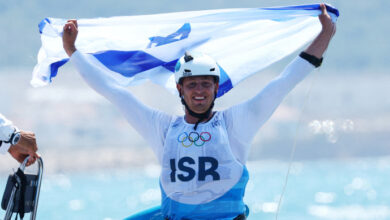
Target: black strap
(21, 180)
(311, 59)
(240, 217)
(12, 137)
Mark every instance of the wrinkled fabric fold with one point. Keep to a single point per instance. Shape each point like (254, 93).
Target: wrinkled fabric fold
(146, 47)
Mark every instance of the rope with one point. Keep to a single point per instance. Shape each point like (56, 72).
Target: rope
(292, 154)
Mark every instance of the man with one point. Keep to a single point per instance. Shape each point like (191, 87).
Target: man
(19, 144)
(203, 153)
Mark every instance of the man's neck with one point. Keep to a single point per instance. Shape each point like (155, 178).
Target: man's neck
(192, 120)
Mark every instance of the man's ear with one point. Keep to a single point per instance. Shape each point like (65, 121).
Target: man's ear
(216, 87)
(178, 87)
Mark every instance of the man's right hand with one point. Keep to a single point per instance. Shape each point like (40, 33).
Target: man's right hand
(26, 146)
(69, 37)
(318, 47)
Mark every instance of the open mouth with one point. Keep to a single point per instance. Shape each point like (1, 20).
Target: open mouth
(199, 98)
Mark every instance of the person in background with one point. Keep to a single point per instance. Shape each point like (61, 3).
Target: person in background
(18, 143)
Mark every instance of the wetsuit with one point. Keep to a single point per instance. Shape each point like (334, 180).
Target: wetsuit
(203, 172)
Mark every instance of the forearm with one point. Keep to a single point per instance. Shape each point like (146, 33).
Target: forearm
(274, 93)
(95, 74)
(318, 47)
(98, 78)
(256, 111)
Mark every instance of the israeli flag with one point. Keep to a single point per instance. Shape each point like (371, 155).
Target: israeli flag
(147, 47)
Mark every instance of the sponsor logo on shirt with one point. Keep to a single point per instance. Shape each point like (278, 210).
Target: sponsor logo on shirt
(216, 123)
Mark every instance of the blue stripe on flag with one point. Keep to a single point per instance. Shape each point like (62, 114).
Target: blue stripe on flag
(225, 84)
(126, 63)
(54, 67)
(170, 65)
(130, 63)
(42, 24)
(307, 7)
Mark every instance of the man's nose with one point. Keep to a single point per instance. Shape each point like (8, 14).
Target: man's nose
(198, 87)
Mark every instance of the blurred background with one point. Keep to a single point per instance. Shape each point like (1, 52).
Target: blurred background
(98, 167)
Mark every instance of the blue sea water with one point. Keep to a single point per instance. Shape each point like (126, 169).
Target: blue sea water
(322, 189)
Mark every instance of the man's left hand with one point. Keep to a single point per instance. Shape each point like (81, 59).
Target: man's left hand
(27, 146)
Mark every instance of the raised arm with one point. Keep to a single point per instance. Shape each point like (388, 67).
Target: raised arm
(318, 47)
(144, 119)
(92, 70)
(95, 74)
(253, 113)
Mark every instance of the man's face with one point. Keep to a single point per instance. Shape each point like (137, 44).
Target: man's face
(198, 92)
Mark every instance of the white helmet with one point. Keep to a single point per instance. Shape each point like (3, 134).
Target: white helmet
(196, 64)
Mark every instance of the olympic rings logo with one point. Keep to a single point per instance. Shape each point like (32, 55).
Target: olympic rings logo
(193, 138)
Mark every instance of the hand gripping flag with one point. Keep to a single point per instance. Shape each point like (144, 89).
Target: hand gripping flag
(147, 47)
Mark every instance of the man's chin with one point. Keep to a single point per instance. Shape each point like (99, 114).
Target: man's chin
(199, 109)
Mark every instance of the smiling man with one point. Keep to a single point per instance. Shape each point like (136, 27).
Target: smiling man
(203, 153)
(197, 81)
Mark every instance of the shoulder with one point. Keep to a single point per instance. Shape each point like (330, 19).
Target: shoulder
(163, 118)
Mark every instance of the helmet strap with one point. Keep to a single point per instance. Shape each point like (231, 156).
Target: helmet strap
(200, 116)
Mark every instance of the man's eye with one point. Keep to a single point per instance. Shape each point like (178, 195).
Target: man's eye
(192, 85)
(206, 84)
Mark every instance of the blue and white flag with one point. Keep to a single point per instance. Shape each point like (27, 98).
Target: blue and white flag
(147, 47)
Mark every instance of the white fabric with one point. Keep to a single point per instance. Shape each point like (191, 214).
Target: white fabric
(144, 119)
(242, 41)
(231, 131)
(208, 147)
(242, 121)
(6, 131)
